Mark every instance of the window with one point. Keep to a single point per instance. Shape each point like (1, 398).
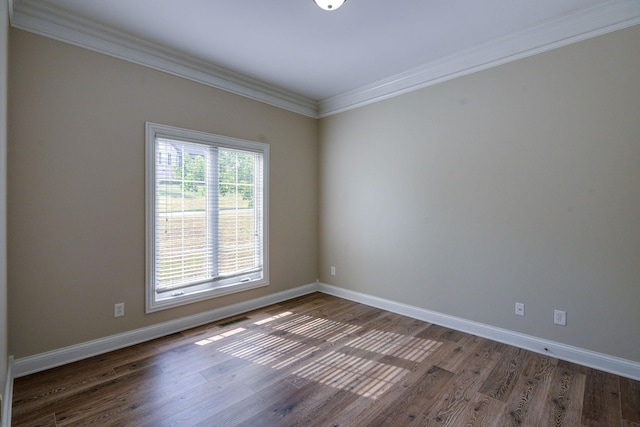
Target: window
(206, 216)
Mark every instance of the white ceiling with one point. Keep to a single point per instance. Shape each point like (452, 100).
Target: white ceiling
(291, 49)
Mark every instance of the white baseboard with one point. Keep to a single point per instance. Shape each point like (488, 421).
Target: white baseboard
(40, 362)
(7, 395)
(603, 362)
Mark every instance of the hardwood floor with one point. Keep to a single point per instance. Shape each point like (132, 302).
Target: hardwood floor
(322, 361)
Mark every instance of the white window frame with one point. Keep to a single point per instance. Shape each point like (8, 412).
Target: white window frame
(211, 289)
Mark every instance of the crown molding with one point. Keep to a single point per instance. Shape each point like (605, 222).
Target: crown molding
(602, 18)
(48, 21)
(580, 25)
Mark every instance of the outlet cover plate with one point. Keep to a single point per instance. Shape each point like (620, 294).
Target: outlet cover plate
(560, 317)
(118, 310)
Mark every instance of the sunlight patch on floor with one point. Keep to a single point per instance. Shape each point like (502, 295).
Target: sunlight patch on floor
(286, 342)
(220, 336)
(316, 327)
(397, 345)
(272, 318)
(365, 377)
(262, 348)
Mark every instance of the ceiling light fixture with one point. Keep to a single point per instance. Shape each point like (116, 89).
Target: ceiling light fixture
(329, 4)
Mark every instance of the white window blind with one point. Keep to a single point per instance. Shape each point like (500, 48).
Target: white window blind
(208, 217)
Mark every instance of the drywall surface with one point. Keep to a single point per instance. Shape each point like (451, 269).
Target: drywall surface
(516, 184)
(76, 189)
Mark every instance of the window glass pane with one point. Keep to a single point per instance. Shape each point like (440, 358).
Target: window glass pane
(228, 196)
(183, 254)
(245, 168)
(239, 236)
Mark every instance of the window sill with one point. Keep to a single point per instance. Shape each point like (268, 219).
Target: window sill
(170, 301)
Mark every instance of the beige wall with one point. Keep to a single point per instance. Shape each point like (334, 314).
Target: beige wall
(76, 188)
(519, 183)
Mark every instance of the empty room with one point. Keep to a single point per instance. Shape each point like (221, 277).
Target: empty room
(320, 213)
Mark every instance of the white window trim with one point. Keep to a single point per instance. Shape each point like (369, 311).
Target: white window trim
(154, 130)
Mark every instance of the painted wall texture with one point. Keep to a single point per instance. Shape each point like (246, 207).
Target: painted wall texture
(76, 189)
(519, 183)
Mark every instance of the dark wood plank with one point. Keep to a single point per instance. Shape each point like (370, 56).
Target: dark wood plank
(601, 399)
(565, 397)
(506, 373)
(187, 404)
(289, 409)
(416, 397)
(322, 407)
(133, 391)
(481, 411)
(32, 397)
(630, 400)
(540, 367)
(526, 405)
(35, 420)
(472, 373)
(239, 412)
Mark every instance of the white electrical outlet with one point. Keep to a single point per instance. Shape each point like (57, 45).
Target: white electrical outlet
(520, 309)
(118, 310)
(333, 271)
(560, 317)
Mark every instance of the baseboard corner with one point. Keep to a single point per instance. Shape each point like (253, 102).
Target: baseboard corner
(51, 359)
(603, 362)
